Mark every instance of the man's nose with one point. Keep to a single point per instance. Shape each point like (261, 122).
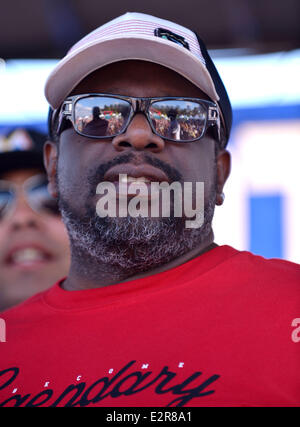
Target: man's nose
(139, 136)
(22, 216)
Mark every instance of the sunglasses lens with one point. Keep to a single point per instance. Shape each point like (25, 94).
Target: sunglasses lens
(41, 201)
(178, 119)
(101, 116)
(5, 199)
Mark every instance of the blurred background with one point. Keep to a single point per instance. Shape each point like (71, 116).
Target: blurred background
(256, 48)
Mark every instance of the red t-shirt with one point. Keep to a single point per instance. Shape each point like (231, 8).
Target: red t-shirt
(215, 331)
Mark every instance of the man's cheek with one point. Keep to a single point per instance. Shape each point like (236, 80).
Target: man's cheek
(70, 179)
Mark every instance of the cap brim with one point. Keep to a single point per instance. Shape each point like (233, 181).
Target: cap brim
(94, 55)
(21, 160)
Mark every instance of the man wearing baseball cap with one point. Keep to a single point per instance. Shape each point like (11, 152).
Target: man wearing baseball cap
(153, 312)
(34, 247)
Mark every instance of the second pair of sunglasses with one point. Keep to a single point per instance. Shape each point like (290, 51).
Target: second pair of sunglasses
(36, 193)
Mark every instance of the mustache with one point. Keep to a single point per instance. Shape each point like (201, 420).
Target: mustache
(97, 175)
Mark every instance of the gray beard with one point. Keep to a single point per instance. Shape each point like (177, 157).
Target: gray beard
(130, 245)
(126, 246)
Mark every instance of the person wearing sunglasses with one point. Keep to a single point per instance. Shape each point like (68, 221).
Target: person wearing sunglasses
(34, 248)
(152, 313)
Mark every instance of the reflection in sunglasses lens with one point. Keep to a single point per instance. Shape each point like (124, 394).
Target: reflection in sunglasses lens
(101, 116)
(178, 120)
(174, 119)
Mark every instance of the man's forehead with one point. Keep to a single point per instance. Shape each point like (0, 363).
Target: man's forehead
(138, 78)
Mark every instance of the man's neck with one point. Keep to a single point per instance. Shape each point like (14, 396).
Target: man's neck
(106, 275)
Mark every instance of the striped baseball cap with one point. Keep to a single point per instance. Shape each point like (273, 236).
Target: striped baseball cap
(139, 36)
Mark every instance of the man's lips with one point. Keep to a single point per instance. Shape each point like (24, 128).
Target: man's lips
(150, 173)
(130, 180)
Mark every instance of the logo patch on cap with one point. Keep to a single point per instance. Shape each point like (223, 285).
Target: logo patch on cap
(172, 37)
(17, 141)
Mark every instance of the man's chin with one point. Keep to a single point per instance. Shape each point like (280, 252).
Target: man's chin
(129, 244)
(130, 231)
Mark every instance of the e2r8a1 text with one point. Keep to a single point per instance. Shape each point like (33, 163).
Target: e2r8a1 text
(170, 416)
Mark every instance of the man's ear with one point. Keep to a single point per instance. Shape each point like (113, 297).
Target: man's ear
(50, 163)
(223, 171)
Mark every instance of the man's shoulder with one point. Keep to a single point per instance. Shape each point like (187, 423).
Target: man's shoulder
(230, 254)
(276, 264)
(273, 270)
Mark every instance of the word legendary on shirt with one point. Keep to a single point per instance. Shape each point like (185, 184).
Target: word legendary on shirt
(123, 382)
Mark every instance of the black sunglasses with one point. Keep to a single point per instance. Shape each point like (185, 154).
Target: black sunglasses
(106, 116)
